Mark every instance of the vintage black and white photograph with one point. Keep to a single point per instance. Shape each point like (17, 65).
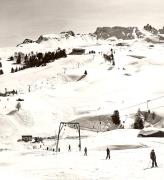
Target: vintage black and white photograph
(81, 89)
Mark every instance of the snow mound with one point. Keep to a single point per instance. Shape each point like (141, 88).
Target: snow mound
(151, 132)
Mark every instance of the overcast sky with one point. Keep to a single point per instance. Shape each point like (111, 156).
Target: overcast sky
(20, 19)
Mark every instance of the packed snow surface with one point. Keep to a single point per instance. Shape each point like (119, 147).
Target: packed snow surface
(129, 159)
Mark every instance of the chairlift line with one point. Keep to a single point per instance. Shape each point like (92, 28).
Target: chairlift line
(154, 99)
(132, 114)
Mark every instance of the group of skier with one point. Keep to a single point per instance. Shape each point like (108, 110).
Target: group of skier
(152, 155)
(85, 149)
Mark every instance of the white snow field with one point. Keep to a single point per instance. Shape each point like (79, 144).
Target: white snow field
(136, 81)
(129, 159)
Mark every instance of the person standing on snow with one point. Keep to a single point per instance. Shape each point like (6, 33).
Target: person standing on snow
(79, 147)
(108, 153)
(153, 158)
(85, 72)
(85, 151)
(69, 147)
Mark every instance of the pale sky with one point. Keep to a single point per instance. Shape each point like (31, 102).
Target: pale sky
(20, 19)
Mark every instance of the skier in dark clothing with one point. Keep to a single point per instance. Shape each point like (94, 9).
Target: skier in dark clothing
(85, 72)
(69, 147)
(108, 153)
(79, 147)
(153, 158)
(111, 56)
(85, 151)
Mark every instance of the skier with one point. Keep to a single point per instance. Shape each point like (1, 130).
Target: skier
(79, 147)
(85, 72)
(108, 153)
(69, 147)
(18, 106)
(85, 151)
(111, 56)
(153, 158)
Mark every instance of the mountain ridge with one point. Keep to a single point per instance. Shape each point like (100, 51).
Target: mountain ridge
(101, 33)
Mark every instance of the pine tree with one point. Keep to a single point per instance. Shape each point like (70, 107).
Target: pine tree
(16, 69)
(12, 70)
(25, 58)
(2, 71)
(153, 115)
(18, 61)
(116, 117)
(11, 58)
(138, 124)
(40, 56)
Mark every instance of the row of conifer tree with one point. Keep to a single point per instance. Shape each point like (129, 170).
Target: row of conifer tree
(36, 59)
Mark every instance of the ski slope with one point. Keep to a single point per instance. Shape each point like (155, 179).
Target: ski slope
(129, 159)
(56, 95)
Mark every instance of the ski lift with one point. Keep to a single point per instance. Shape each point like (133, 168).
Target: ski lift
(63, 124)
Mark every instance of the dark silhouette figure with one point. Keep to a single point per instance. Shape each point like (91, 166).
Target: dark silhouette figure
(18, 106)
(153, 158)
(85, 151)
(83, 76)
(69, 147)
(79, 147)
(112, 56)
(85, 72)
(107, 153)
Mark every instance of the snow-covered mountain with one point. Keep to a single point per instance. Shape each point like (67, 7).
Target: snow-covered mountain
(84, 88)
(69, 39)
(119, 32)
(139, 59)
(63, 40)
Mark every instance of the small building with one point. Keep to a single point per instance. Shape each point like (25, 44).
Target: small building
(26, 138)
(77, 51)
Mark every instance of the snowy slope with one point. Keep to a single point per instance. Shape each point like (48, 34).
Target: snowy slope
(56, 95)
(129, 159)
